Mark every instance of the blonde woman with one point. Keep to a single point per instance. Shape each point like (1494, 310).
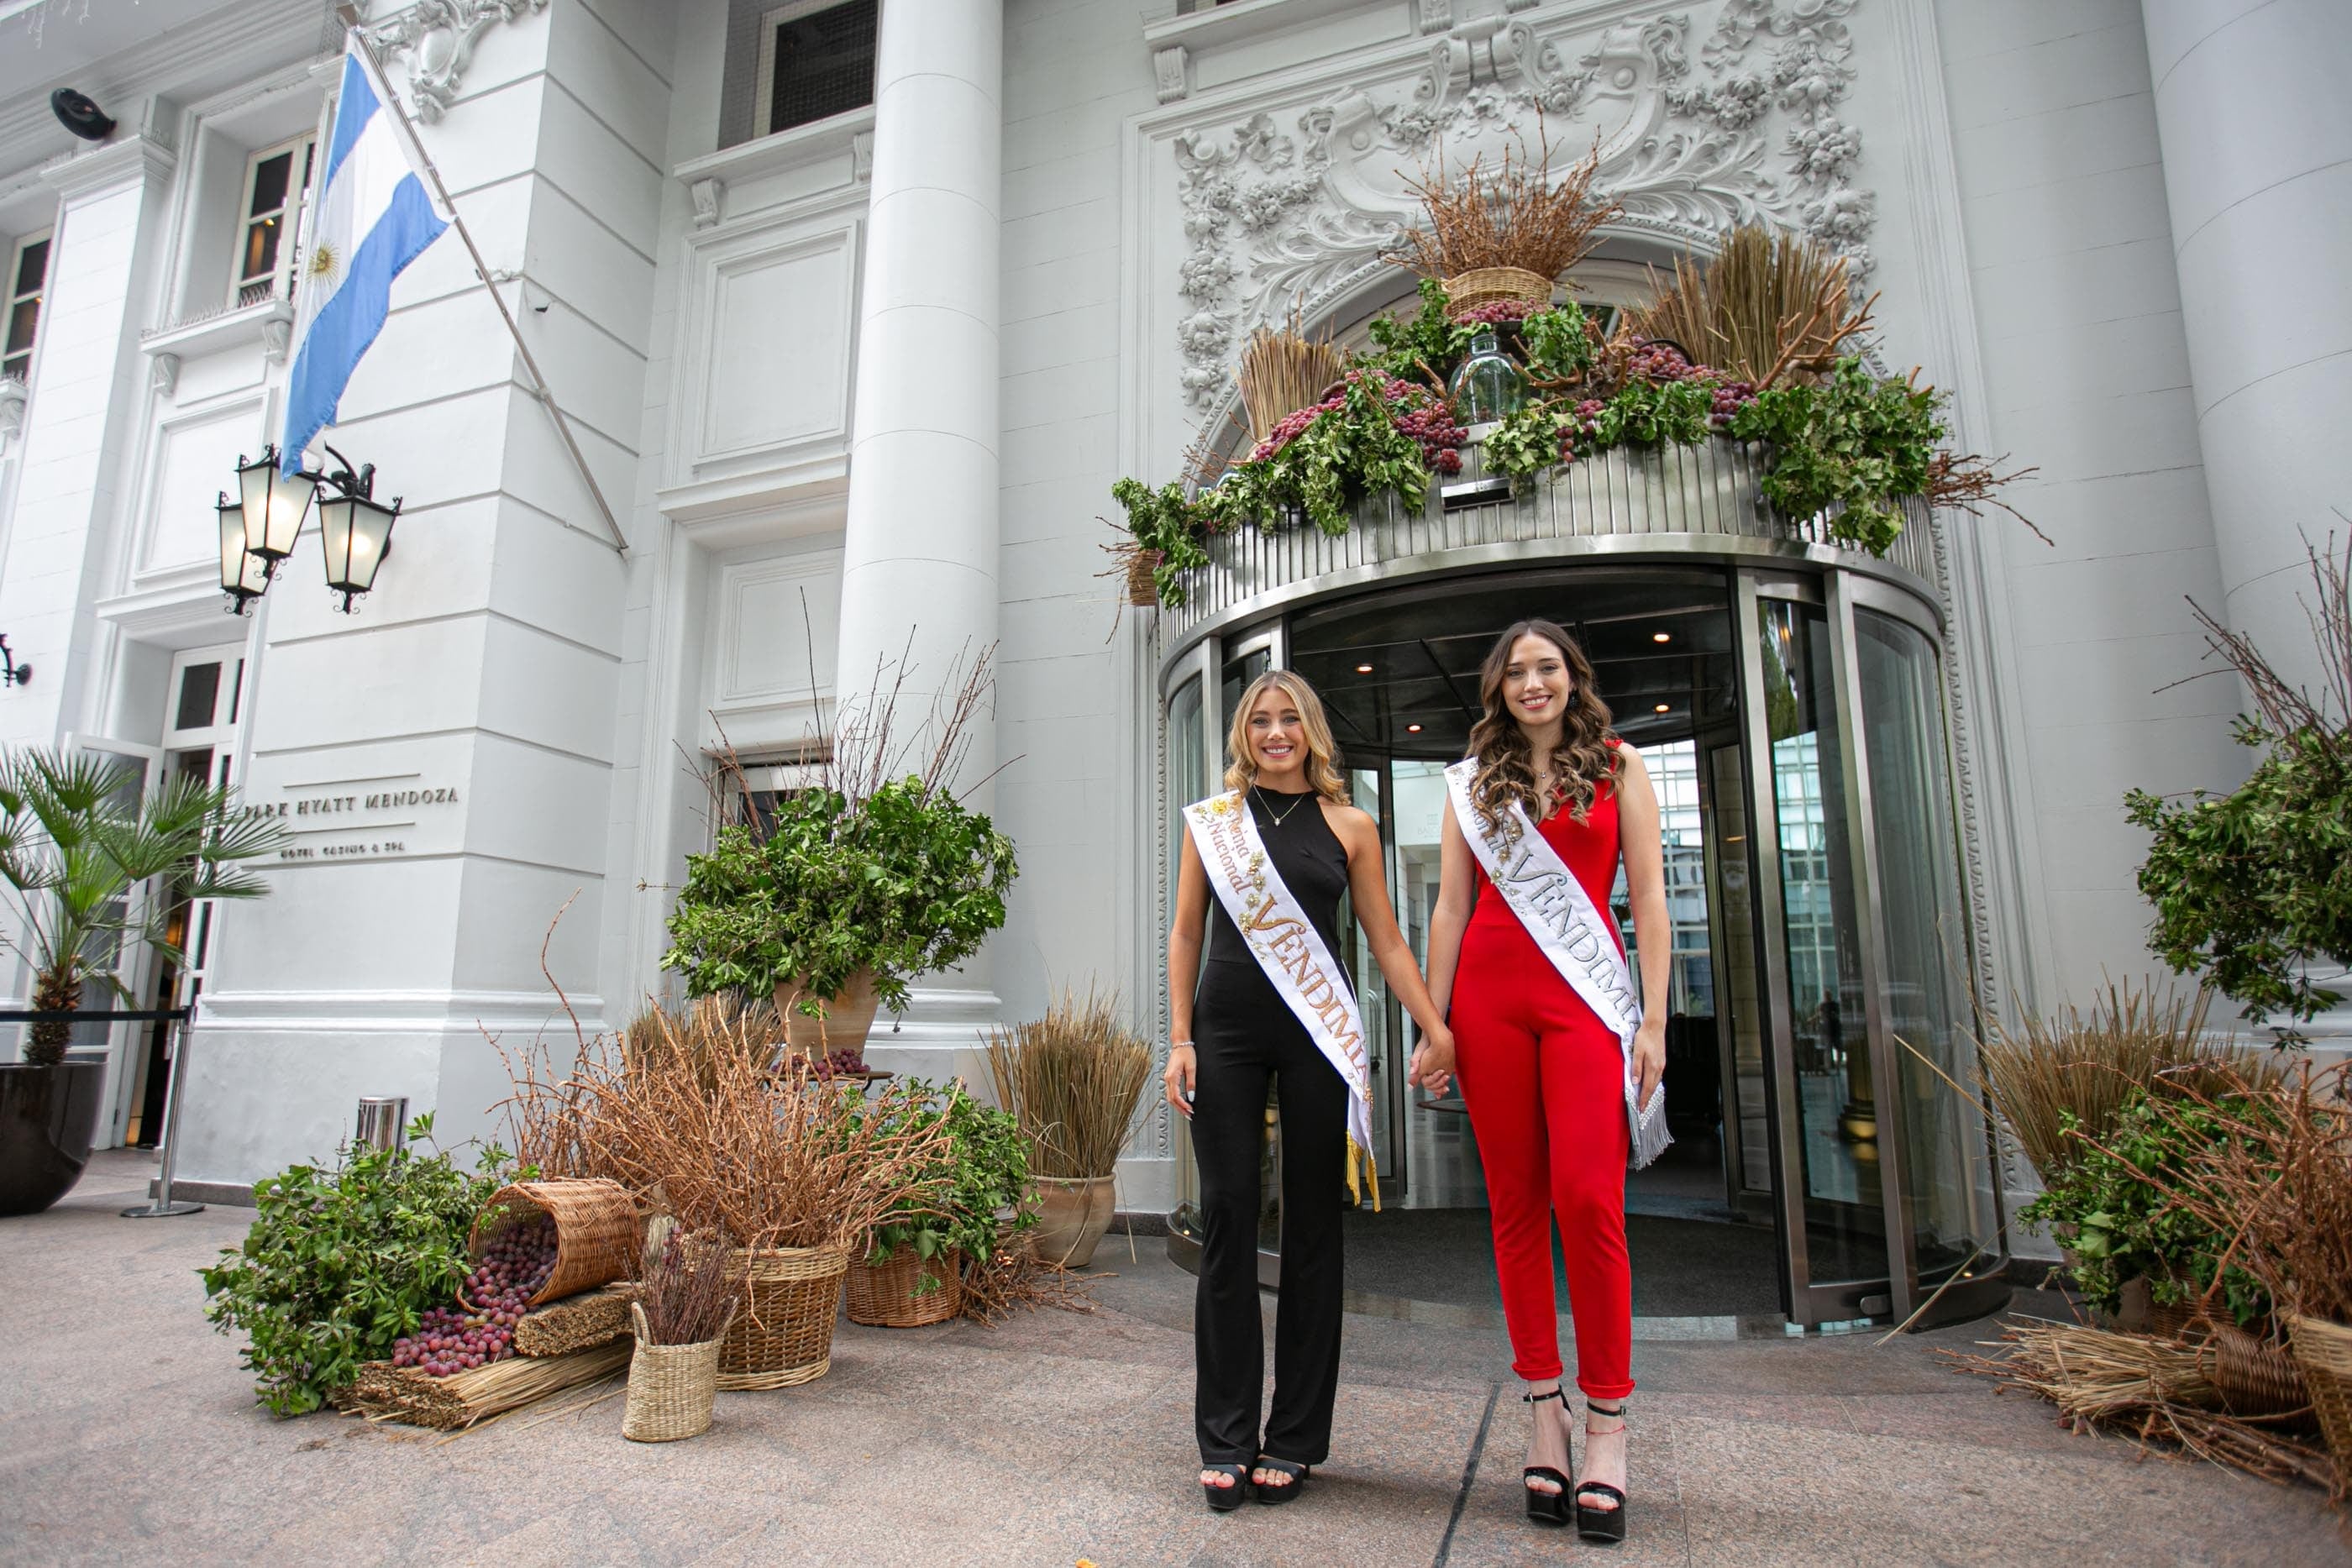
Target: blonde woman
(1265, 864)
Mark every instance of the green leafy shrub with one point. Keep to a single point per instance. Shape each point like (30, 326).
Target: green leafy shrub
(987, 1184)
(1163, 521)
(341, 1262)
(905, 881)
(2120, 1227)
(1427, 344)
(1556, 343)
(1852, 441)
(2249, 885)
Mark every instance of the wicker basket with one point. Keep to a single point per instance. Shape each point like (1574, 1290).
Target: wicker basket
(2253, 1376)
(1142, 591)
(595, 1231)
(2324, 1350)
(1487, 285)
(671, 1386)
(783, 1332)
(883, 1295)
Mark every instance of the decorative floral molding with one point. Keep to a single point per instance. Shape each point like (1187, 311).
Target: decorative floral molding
(709, 198)
(1168, 72)
(439, 37)
(12, 406)
(163, 374)
(1276, 215)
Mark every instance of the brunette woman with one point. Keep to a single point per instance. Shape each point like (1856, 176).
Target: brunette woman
(1560, 1064)
(1264, 867)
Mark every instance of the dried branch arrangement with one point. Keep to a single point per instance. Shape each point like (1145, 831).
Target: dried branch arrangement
(1283, 371)
(690, 1044)
(1771, 306)
(2092, 1064)
(772, 1160)
(1513, 215)
(1072, 1080)
(1016, 1279)
(2325, 716)
(685, 1291)
(2149, 1390)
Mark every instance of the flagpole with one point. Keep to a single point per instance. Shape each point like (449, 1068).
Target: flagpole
(539, 390)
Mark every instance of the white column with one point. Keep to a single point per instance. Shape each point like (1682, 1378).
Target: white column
(2257, 135)
(919, 575)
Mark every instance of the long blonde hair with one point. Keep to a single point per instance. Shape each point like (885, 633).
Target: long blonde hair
(1506, 762)
(1322, 752)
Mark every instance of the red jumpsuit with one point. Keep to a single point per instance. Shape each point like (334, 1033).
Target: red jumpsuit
(1545, 1082)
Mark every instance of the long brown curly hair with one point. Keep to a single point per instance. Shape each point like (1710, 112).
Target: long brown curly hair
(1506, 762)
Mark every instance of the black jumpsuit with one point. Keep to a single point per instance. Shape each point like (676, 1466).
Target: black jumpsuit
(1244, 1034)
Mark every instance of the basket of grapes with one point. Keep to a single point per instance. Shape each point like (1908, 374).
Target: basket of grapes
(539, 1241)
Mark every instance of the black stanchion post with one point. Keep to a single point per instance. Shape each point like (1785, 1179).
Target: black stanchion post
(176, 1052)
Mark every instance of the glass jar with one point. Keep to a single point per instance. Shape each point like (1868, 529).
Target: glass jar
(1488, 385)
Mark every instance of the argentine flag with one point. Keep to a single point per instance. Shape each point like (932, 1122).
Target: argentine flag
(372, 217)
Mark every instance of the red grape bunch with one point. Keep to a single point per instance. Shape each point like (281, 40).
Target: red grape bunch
(515, 1264)
(843, 1063)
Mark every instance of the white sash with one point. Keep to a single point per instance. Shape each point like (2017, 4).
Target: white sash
(1560, 914)
(1292, 953)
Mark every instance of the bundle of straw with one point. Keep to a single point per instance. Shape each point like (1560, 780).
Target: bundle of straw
(576, 1323)
(1283, 371)
(1770, 306)
(1514, 216)
(2150, 1390)
(386, 1393)
(1072, 1080)
(2092, 1064)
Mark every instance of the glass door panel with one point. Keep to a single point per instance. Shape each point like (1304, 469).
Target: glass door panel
(1739, 1000)
(1949, 1195)
(1384, 1032)
(1836, 1117)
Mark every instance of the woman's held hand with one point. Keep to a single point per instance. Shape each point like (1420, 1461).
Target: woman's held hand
(1184, 1071)
(1433, 1062)
(1649, 1061)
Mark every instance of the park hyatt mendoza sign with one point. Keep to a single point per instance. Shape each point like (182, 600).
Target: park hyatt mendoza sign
(344, 819)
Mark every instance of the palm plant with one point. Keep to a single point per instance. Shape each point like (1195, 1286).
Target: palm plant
(78, 837)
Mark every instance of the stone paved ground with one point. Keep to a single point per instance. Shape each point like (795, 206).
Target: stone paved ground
(127, 1433)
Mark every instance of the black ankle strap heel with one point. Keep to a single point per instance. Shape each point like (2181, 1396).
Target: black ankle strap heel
(1548, 1507)
(1602, 1526)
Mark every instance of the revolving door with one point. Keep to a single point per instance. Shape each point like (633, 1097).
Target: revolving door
(1821, 1009)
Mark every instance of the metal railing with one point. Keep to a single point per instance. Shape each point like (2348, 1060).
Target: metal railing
(1680, 498)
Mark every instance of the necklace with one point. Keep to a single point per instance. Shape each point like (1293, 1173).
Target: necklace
(1281, 817)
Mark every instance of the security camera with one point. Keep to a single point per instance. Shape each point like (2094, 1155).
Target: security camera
(78, 113)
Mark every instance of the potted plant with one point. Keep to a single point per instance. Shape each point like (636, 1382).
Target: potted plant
(831, 902)
(682, 1310)
(1071, 1079)
(78, 837)
(912, 1271)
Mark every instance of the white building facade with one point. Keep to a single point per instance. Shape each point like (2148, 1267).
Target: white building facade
(857, 309)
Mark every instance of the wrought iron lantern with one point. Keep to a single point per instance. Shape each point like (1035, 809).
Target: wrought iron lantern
(275, 505)
(355, 532)
(244, 575)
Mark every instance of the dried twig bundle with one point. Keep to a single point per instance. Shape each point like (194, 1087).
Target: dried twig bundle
(1072, 1079)
(2325, 718)
(1513, 216)
(689, 1042)
(1015, 1278)
(2150, 1390)
(2090, 1065)
(685, 1292)
(1283, 371)
(1969, 482)
(1771, 306)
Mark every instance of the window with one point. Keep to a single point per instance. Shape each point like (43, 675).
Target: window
(269, 218)
(815, 61)
(28, 268)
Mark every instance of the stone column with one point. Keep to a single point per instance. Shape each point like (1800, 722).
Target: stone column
(2257, 135)
(919, 584)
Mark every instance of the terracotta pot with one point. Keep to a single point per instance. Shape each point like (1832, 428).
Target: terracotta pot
(48, 1115)
(1072, 1215)
(848, 1017)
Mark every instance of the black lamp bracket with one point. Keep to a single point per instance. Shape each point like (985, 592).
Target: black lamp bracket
(12, 674)
(361, 484)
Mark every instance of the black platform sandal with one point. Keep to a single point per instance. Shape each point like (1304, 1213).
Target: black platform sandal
(1602, 1526)
(1273, 1495)
(1548, 1507)
(1224, 1500)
